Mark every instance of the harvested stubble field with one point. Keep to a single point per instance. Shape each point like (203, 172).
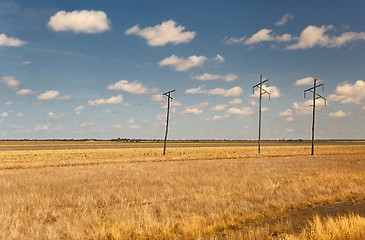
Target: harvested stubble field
(111, 190)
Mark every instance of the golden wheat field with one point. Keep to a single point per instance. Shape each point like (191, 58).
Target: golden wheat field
(111, 190)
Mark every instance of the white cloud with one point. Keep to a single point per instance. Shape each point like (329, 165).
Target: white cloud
(24, 92)
(339, 114)
(234, 41)
(304, 81)
(219, 107)
(5, 115)
(313, 36)
(9, 41)
(10, 81)
(195, 90)
(158, 97)
(263, 35)
(115, 126)
(260, 36)
(162, 34)
(53, 115)
(287, 113)
(304, 108)
(192, 111)
(235, 101)
(208, 76)
(49, 95)
(285, 19)
(274, 92)
(183, 64)
(8, 103)
(217, 118)
(20, 114)
(289, 130)
(232, 92)
(130, 87)
(219, 58)
(83, 21)
(25, 63)
(349, 94)
(101, 101)
(247, 111)
(42, 127)
(86, 124)
(134, 126)
(78, 110)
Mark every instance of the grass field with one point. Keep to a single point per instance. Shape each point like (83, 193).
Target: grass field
(111, 190)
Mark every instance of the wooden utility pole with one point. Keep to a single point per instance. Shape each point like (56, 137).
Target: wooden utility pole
(262, 92)
(169, 98)
(315, 97)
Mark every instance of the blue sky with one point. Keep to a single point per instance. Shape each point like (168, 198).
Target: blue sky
(97, 69)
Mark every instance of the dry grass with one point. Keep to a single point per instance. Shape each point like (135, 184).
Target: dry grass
(343, 227)
(193, 193)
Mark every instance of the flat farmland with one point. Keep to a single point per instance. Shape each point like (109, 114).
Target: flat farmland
(205, 190)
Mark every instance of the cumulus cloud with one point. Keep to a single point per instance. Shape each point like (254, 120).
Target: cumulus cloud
(208, 76)
(313, 36)
(288, 115)
(234, 41)
(158, 97)
(102, 101)
(274, 92)
(217, 118)
(219, 107)
(349, 94)
(219, 58)
(232, 92)
(246, 111)
(285, 19)
(25, 63)
(83, 21)
(339, 114)
(195, 90)
(235, 101)
(78, 110)
(9, 41)
(162, 34)
(10, 81)
(130, 87)
(304, 108)
(5, 115)
(304, 81)
(49, 95)
(183, 64)
(86, 124)
(263, 35)
(23, 92)
(192, 111)
(267, 35)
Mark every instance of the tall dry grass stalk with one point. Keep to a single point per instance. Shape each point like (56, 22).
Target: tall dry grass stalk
(222, 193)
